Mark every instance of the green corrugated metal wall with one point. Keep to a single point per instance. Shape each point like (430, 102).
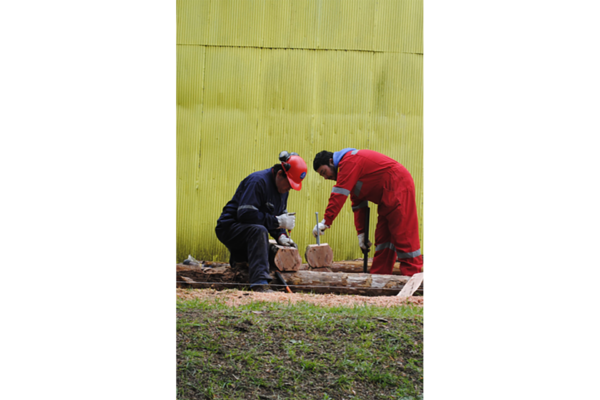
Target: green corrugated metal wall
(255, 77)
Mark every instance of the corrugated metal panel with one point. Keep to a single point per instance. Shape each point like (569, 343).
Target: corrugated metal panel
(368, 25)
(243, 97)
(192, 21)
(399, 26)
(347, 24)
(190, 75)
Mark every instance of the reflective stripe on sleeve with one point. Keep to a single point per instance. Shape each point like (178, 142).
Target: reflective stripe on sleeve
(361, 205)
(247, 206)
(339, 190)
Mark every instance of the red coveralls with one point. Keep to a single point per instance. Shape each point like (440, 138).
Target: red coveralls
(366, 175)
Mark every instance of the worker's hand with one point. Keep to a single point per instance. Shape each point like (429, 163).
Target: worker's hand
(286, 241)
(320, 228)
(286, 221)
(361, 242)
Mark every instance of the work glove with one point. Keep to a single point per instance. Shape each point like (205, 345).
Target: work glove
(286, 221)
(320, 228)
(285, 240)
(361, 242)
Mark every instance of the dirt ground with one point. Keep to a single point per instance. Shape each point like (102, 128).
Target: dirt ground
(236, 297)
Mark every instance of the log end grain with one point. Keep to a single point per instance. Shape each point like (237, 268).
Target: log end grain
(284, 258)
(318, 256)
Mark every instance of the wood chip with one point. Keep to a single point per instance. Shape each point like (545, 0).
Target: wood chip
(232, 297)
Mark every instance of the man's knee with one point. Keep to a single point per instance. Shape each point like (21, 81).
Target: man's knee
(258, 231)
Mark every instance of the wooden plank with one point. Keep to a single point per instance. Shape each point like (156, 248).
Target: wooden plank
(412, 285)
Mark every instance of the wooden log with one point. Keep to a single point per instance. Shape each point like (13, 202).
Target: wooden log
(346, 283)
(284, 258)
(216, 276)
(356, 266)
(320, 269)
(222, 276)
(318, 256)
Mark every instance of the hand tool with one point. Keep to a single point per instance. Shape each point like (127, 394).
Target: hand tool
(289, 230)
(287, 288)
(366, 250)
(318, 230)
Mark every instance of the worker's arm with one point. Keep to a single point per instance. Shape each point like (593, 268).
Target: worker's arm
(349, 172)
(248, 212)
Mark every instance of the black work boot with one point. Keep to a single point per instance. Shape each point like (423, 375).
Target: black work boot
(262, 289)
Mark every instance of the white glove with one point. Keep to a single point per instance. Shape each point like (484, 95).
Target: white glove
(286, 241)
(320, 228)
(286, 221)
(361, 241)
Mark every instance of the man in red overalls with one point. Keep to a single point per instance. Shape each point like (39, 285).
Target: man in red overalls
(366, 175)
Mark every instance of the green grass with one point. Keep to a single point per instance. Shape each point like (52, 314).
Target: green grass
(300, 351)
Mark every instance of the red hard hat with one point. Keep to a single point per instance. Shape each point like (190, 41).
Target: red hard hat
(295, 171)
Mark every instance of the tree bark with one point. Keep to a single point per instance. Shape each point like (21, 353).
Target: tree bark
(222, 276)
(346, 283)
(356, 266)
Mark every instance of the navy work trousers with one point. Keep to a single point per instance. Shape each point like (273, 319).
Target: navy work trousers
(248, 242)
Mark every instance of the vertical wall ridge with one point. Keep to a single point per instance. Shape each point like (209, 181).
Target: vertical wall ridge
(251, 82)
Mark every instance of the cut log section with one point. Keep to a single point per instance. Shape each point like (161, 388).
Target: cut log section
(319, 255)
(284, 258)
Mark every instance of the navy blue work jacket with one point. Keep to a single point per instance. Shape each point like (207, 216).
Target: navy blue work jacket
(256, 201)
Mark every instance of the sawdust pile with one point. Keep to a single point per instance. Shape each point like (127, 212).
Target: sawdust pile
(236, 297)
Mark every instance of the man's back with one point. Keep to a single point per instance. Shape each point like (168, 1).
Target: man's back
(255, 195)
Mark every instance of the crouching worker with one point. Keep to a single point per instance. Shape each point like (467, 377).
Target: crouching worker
(259, 208)
(366, 175)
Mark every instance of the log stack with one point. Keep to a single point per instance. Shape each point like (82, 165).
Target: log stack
(225, 277)
(320, 275)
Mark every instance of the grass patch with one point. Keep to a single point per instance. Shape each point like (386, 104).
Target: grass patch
(265, 350)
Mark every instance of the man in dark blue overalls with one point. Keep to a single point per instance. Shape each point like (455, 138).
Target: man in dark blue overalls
(259, 208)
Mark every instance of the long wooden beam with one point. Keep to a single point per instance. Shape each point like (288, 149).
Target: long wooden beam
(357, 266)
(222, 276)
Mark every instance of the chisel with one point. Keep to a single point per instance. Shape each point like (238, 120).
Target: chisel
(318, 231)
(287, 288)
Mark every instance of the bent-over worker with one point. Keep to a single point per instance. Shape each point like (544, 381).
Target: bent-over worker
(257, 209)
(366, 175)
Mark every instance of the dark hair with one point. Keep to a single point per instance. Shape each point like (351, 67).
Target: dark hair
(322, 158)
(276, 168)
